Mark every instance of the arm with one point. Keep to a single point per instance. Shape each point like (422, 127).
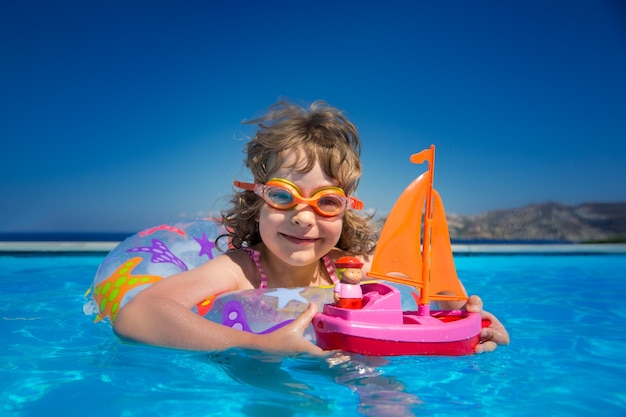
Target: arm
(161, 315)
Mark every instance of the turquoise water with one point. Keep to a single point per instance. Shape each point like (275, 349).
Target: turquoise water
(565, 315)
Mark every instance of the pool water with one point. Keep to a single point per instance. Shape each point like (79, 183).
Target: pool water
(565, 315)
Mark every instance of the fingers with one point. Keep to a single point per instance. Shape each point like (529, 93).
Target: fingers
(485, 347)
(291, 337)
(307, 315)
(491, 337)
(486, 343)
(474, 304)
(301, 323)
(495, 332)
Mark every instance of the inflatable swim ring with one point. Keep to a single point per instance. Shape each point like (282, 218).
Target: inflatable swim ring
(159, 252)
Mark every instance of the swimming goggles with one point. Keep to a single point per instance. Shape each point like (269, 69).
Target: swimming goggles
(282, 194)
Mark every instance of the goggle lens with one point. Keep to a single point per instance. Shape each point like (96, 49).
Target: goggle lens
(282, 194)
(279, 197)
(332, 203)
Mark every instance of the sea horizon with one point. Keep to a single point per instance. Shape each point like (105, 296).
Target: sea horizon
(120, 236)
(64, 236)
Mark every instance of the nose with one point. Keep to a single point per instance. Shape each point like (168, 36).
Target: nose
(303, 215)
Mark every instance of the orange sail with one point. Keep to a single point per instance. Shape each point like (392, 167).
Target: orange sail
(443, 276)
(398, 248)
(400, 256)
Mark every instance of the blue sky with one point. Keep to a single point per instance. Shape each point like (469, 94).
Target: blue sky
(116, 116)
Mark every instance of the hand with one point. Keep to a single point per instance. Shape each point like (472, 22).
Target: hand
(493, 335)
(290, 338)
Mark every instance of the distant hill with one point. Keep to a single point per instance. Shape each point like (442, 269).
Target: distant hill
(554, 222)
(589, 222)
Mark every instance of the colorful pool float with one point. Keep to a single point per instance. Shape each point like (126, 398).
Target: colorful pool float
(159, 252)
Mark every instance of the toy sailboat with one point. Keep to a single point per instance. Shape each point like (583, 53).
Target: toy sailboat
(381, 327)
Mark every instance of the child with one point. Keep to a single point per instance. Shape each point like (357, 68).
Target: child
(286, 230)
(347, 292)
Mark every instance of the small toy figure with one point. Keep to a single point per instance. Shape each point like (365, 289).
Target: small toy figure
(348, 293)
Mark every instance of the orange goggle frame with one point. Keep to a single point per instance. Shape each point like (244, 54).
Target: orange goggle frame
(282, 194)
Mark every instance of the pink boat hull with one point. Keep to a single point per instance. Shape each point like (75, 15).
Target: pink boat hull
(381, 328)
(377, 347)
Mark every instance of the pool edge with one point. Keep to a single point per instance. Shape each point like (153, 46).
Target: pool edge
(461, 249)
(56, 247)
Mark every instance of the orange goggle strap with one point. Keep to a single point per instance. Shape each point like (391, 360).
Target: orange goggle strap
(353, 202)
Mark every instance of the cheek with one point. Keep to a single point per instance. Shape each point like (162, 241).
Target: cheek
(332, 227)
(269, 218)
(265, 213)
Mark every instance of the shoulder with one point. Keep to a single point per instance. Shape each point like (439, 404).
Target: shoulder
(234, 270)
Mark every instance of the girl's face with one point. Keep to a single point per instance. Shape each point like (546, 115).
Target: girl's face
(300, 236)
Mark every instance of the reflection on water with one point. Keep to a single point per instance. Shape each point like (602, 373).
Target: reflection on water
(285, 395)
(299, 382)
(379, 394)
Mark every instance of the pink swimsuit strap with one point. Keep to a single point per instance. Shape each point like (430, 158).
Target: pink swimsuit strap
(255, 255)
(330, 268)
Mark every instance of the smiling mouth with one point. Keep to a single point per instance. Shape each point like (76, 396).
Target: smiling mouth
(295, 239)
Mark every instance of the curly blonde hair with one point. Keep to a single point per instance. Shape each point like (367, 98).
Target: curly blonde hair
(321, 134)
